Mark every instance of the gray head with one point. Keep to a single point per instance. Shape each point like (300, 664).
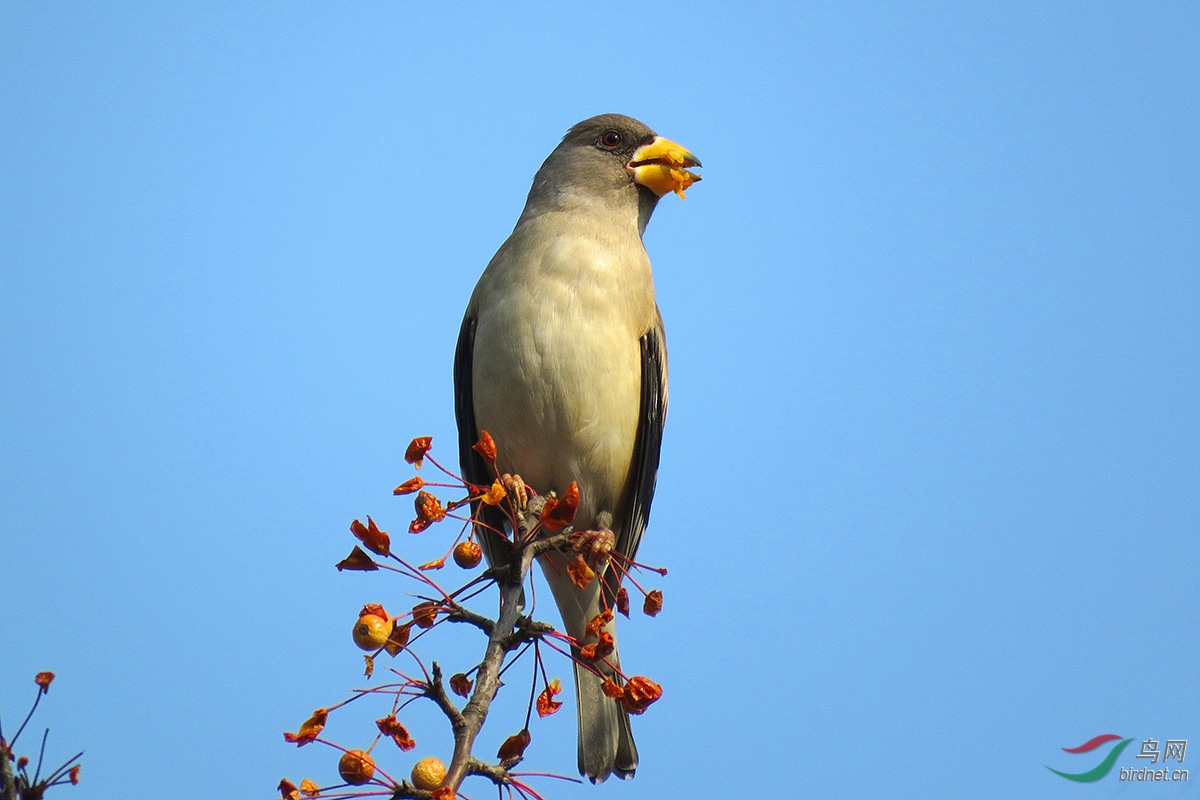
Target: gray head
(610, 161)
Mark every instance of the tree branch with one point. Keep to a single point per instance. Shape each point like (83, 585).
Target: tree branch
(509, 630)
(459, 613)
(436, 690)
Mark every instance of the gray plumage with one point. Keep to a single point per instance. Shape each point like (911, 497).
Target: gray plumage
(562, 359)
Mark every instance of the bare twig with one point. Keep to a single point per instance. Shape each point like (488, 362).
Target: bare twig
(459, 613)
(436, 690)
(510, 629)
(560, 542)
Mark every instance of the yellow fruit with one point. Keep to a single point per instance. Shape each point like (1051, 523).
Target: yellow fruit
(356, 767)
(468, 555)
(371, 631)
(428, 774)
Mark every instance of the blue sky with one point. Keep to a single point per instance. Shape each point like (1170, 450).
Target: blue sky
(930, 488)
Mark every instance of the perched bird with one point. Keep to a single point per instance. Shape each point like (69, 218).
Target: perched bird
(561, 358)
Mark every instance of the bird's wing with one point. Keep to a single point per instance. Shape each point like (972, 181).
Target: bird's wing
(652, 415)
(474, 468)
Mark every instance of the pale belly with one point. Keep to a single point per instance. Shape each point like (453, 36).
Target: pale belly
(557, 383)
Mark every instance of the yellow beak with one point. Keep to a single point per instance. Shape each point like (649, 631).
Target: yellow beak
(660, 166)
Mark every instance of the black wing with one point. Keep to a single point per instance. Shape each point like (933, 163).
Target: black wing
(652, 415)
(474, 468)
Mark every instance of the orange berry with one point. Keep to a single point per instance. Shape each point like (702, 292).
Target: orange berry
(428, 774)
(372, 631)
(356, 767)
(468, 555)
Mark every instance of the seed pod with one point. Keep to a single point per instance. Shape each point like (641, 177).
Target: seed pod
(372, 631)
(356, 767)
(428, 774)
(468, 555)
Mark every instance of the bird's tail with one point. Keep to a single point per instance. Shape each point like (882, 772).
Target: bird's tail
(605, 738)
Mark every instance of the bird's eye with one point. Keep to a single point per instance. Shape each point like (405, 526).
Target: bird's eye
(610, 139)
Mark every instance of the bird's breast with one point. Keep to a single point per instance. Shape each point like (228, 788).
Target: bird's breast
(557, 365)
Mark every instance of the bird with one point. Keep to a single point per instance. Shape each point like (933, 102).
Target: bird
(562, 359)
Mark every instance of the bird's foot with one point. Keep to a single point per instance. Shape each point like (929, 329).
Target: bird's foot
(516, 489)
(596, 547)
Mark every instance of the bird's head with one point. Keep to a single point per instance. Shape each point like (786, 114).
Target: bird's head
(613, 158)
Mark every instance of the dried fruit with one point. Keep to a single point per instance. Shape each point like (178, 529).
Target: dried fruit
(357, 560)
(468, 554)
(399, 638)
(486, 447)
(428, 773)
(310, 730)
(417, 449)
(546, 704)
(375, 540)
(356, 767)
(514, 746)
(425, 614)
(666, 179)
(640, 692)
(598, 622)
(623, 601)
(580, 573)
(409, 486)
(600, 649)
(371, 632)
(561, 512)
(460, 684)
(390, 726)
(429, 510)
(653, 604)
(494, 495)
